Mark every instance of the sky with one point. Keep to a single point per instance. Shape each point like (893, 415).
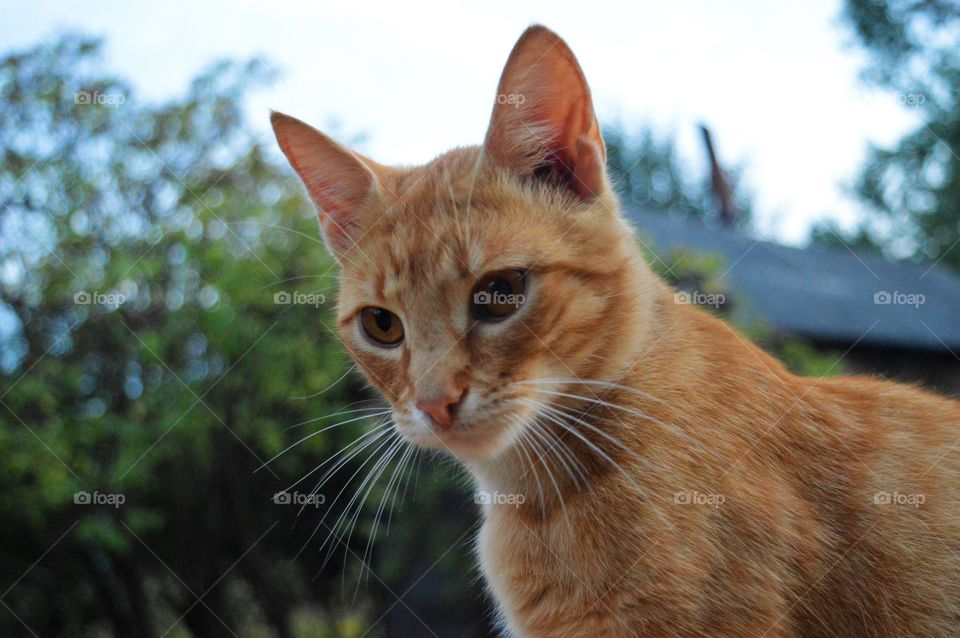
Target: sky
(777, 83)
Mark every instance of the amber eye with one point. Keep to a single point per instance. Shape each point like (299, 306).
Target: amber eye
(382, 326)
(498, 294)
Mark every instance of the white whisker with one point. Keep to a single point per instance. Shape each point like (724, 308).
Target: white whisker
(383, 501)
(592, 382)
(365, 488)
(616, 406)
(333, 470)
(371, 410)
(523, 441)
(313, 434)
(563, 454)
(549, 407)
(553, 480)
(558, 421)
(316, 394)
(378, 432)
(386, 442)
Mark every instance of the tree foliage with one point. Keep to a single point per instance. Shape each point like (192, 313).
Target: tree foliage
(911, 191)
(648, 172)
(147, 357)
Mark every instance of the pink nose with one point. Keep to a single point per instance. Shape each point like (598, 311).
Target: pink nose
(442, 407)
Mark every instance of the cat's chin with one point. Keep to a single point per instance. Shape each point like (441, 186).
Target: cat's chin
(470, 444)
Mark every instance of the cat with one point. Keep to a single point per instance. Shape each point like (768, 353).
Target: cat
(647, 471)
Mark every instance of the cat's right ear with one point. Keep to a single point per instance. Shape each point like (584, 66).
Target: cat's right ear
(339, 181)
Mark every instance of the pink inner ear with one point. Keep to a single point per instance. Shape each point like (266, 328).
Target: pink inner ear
(589, 168)
(338, 180)
(544, 114)
(339, 192)
(338, 230)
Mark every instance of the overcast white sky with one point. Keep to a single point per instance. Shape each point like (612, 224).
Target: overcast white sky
(777, 82)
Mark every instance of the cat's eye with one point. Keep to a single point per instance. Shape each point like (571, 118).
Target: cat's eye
(382, 326)
(498, 294)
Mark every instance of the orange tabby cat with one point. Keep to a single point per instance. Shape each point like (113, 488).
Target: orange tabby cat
(647, 471)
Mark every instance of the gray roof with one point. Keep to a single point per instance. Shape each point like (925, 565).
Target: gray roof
(823, 293)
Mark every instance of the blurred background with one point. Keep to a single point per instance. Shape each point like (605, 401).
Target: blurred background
(186, 449)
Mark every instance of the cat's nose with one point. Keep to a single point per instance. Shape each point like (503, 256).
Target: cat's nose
(442, 405)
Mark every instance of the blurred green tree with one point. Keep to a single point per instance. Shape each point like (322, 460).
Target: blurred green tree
(149, 353)
(911, 192)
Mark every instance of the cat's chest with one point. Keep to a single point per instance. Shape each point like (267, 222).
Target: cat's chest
(544, 575)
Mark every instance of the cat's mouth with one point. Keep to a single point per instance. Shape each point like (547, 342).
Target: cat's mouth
(472, 436)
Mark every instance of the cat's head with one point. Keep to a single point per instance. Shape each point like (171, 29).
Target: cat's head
(469, 286)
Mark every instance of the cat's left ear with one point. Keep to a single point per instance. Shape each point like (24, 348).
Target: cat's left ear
(543, 122)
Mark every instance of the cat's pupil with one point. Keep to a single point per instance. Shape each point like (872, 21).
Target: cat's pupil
(383, 319)
(498, 295)
(500, 287)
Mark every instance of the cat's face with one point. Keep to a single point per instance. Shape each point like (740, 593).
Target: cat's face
(469, 286)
